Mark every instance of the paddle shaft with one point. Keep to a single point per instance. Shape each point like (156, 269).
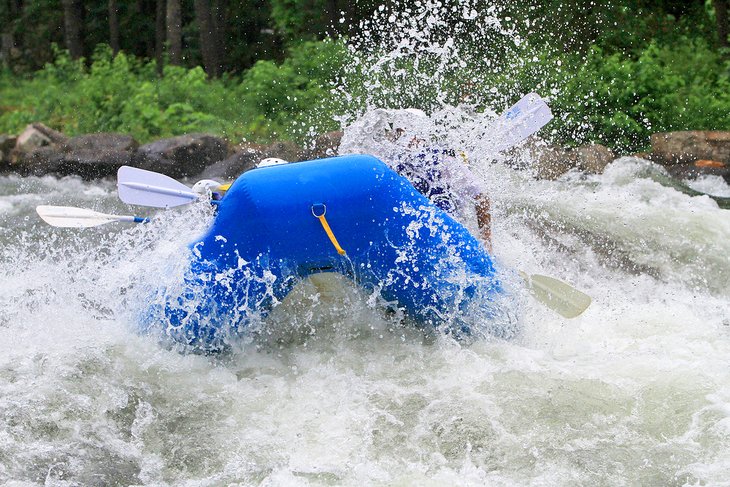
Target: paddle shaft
(160, 190)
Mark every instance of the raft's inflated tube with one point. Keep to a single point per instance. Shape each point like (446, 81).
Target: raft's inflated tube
(267, 236)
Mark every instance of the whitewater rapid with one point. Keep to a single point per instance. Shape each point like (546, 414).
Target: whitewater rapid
(634, 392)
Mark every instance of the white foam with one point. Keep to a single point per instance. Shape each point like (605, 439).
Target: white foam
(714, 185)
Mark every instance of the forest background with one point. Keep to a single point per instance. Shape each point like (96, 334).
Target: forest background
(614, 71)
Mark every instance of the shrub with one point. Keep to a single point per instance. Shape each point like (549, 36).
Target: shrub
(619, 100)
(126, 94)
(119, 93)
(294, 98)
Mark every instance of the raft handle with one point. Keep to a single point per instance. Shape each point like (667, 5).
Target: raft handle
(321, 208)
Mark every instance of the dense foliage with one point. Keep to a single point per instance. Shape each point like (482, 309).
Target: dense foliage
(126, 94)
(614, 73)
(619, 99)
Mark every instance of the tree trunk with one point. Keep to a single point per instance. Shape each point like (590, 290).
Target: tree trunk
(220, 21)
(7, 42)
(174, 31)
(721, 8)
(208, 37)
(160, 33)
(14, 6)
(334, 12)
(73, 22)
(113, 26)
(7, 36)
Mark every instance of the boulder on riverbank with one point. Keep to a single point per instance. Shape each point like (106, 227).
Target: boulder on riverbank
(325, 145)
(693, 170)
(89, 156)
(247, 155)
(671, 148)
(40, 150)
(37, 135)
(689, 154)
(182, 156)
(551, 162)
(7, 144)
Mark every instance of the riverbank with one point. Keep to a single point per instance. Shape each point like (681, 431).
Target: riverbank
(40, 150)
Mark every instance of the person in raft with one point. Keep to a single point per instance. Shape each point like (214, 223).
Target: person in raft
(440, 174)
(399, 138)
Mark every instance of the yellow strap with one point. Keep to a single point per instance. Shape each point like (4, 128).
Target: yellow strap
(327, 229)
(463, 157)
(224, 187)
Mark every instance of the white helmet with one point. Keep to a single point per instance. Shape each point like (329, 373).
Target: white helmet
(271, 161)
(204, 186)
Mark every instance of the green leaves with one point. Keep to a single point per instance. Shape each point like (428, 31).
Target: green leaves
(598, 96)
(291, 99)
(121, 94)
(125, 94)
(620, 100)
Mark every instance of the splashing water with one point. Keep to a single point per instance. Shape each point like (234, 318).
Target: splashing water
(330, 390)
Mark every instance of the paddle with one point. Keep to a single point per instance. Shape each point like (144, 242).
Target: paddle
(147, 188)
(70, 217)
(518, 122)
(557, 295)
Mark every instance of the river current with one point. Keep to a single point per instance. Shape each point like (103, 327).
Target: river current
(636, 391)
(333, 391)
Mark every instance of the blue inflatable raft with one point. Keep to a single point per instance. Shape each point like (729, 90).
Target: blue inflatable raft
(351, 214)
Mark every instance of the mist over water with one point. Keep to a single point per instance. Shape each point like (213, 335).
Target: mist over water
(332, 390)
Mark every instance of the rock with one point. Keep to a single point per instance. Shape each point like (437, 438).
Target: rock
(90, 164)
(232, 167)
(287, 150)
(7, 143)
(699, 168)
(34, 137)
(102, 142)
(551, 162)
(89, 156)
(38, 162)
(642, 155)
(247, 156)
(31, 139)
(182, 156)
(54, 136)
(706, 163)
(97, 155)
(592, 158)
(689, 146)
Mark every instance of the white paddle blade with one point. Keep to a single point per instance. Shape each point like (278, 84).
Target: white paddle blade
(557, 295)
(147, 188)
(523, 119)
(70, 217)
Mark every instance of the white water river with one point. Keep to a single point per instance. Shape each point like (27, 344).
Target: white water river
(634, 392)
